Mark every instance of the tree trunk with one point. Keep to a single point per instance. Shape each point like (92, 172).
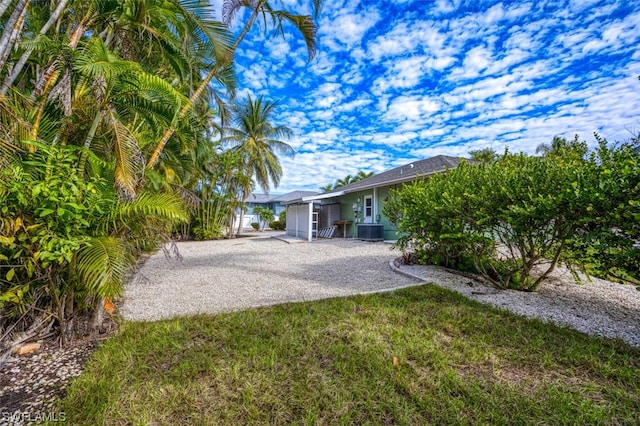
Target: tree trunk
(3, 6)
(98, 315)
(241, 221)
(50, 71)
(11, 77)
(12, 30)
(58, 306)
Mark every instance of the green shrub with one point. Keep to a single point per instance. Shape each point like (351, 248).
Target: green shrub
(201, 234)
(277, 225)
(255, 225)
(523, 213)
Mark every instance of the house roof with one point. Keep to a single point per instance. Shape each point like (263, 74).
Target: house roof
(284, 198)
(277, 198)
(259, 198)
(405, 173)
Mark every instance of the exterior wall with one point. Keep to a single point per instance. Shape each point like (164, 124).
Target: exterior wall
(346, 209)
(379, 198)
(298, 222)
(278, 208)
(246, 220)
(390, 231)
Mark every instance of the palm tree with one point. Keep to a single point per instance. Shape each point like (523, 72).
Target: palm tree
(74, 92)
(17, 68)
(328, 187)
(362, 175)
(258, 142)
(12, 29)
(484, 155)
(303, 23)
(344, 181)
(557, 143)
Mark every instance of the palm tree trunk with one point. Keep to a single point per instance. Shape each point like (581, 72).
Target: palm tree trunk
(196, 95)
(3, 6)
(240, 226)
(12, 30)
(90, 135)
(25, 56)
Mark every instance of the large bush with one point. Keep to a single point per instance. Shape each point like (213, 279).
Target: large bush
(67, 242)
(514, 219)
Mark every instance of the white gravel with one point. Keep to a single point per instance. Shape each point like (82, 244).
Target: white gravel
(229, 275)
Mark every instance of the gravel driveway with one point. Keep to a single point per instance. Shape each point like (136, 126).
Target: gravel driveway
(227, 275)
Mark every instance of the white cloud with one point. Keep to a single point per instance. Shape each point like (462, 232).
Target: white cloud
(445, 6)
(349, 28)
(353, 105)
(411, 108)
(476, 60)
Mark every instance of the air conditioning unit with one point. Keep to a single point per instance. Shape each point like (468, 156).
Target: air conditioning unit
(370, 232)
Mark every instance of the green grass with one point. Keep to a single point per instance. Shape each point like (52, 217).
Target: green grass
(331, 362)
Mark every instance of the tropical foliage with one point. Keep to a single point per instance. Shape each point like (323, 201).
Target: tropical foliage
(257, 142)
(265, 214)
(484, 155)
(108, 113)
(346, 181)
(515, 219)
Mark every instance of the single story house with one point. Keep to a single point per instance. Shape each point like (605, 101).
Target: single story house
(274, 202)
(356, 208)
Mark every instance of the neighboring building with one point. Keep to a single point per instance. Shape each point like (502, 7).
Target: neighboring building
(356, 208)
(274, 202)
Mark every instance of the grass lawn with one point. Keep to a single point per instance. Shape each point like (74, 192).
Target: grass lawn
(422, 355)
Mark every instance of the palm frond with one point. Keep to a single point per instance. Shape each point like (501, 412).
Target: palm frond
(156, 89)
(230, 9)
(165, 206)
(102, 264)
(304, 24)
(94, 60)
(129, 158)
(207, 31)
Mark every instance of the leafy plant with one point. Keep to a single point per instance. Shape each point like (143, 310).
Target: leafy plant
(514, 219)
(277, 225)
(265, 215)
(68, 240)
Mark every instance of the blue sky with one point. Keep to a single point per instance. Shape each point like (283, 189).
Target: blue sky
(400, 80)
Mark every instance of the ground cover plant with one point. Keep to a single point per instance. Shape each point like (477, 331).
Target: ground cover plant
(422, 355)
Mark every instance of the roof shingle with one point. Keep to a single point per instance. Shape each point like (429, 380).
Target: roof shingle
(404, 173)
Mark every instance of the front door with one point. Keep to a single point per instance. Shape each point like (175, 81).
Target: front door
(368, 209)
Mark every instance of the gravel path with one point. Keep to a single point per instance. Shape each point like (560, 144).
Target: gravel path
(229, 275)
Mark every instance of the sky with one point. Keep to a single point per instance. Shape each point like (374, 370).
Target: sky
(395, 81)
